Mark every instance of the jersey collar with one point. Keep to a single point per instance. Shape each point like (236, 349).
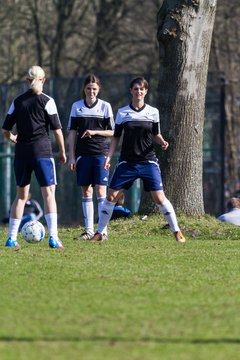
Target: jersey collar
(91, 106)
(137, 110)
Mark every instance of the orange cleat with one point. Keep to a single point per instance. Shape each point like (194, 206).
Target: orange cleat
(179, 237)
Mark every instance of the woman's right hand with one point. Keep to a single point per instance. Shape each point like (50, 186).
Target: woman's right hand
(107, 163)
(13, 138)
(63, 158)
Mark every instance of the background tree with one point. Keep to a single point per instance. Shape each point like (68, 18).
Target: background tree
(225, 64)
(184, 35)
(71, 38)
(65, 37)
(108, 23)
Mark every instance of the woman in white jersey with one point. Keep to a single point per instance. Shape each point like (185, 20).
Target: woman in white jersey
(140, 126)
(90, 126)
(34, 113)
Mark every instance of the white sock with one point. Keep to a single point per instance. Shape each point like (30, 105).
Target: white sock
(100, 203)
(168, 212)
(105, 215)
(88, 213)
(51, 219)
(13, 228)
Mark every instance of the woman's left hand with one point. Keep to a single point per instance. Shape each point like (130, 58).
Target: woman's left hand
(164, 145)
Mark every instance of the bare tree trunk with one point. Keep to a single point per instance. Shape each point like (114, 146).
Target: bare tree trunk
(64, 9)
(231, 139)
(34, 9)
(184, 35)
(107, 29)
(225, 57)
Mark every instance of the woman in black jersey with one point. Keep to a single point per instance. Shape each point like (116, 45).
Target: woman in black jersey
(33, 113)
(90, 126)
(140, 126)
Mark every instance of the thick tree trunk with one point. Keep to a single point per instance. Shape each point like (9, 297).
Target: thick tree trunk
(184, 35)
(225, 55)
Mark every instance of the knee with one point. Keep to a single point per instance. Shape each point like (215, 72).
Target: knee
(158, 197)
(112, 198)
(161, 201)
(101, 191)
(87, 192)
(22, 198)
(48, 194)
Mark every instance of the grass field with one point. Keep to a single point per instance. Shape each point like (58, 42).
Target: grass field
(140, 295)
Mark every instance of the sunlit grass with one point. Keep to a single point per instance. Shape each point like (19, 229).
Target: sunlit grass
(140, 295)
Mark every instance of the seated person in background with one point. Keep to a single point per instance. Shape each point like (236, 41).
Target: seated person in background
(119, 210)
(233, 214)
(32, 211)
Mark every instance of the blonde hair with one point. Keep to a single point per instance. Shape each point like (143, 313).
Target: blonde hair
(35, 76)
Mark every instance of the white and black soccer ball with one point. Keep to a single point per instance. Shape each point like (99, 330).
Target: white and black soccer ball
(33, 231)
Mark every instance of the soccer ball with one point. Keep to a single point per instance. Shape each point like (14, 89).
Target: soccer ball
(33, 231)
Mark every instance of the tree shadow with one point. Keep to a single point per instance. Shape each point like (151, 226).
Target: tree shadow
(119, 339)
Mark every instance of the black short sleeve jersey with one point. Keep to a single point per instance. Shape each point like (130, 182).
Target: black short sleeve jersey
(138, 127)
(99, 116)
(33, 116)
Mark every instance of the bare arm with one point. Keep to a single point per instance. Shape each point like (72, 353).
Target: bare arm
(113, 145)
(60, 141)
(9, 136)
(90, 133)
(160, 141)
(71, 145)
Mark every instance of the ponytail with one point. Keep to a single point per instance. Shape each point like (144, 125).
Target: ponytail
(35, 77)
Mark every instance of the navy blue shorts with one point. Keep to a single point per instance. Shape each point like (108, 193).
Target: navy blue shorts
(44, 169)
(90, 171)
(126, 173)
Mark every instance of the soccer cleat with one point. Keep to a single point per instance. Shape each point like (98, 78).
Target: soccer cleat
(12, 243)
(99, 237)
(55, 243)
(84, 236)
(179, 237)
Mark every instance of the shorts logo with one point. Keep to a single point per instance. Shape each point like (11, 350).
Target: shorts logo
(105, 179)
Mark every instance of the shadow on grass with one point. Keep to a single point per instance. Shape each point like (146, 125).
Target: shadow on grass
(119, 339)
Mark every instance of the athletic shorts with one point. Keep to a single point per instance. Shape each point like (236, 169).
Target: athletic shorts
(44, 169)
(90, 171)
(126, 173)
